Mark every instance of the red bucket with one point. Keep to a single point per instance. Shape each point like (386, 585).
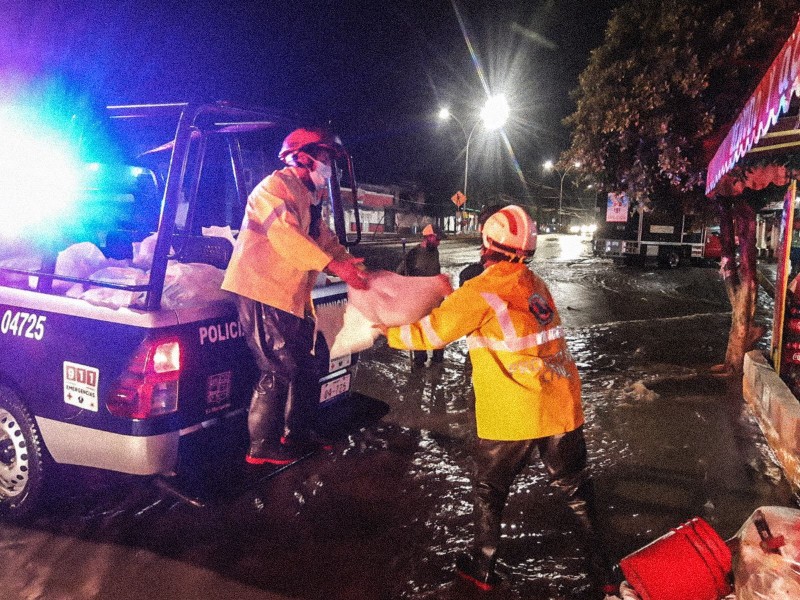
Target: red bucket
(691, 562)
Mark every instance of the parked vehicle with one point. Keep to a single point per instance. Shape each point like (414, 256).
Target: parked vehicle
(117, 343)
(668, 237)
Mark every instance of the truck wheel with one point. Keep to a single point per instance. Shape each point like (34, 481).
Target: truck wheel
(671, 259)
(21, 458)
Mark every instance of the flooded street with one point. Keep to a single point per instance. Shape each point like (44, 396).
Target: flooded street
(384, 514)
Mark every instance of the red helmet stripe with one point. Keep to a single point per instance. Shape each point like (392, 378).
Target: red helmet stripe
(512, 220)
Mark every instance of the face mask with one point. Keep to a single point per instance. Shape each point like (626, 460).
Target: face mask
(320, 173)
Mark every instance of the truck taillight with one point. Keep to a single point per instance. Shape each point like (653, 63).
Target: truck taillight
(150, 385)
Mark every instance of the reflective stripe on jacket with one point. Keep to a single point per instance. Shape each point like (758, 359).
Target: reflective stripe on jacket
(526, 383)
(274, 260)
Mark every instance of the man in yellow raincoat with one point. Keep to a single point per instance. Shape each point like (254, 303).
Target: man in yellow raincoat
(282, 246)
(527, 387)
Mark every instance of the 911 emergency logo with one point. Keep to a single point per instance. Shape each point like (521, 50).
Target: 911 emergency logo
(540, 309)
(80, 385)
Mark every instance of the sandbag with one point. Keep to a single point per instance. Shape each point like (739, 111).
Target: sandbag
(393, 299)
(390, 299)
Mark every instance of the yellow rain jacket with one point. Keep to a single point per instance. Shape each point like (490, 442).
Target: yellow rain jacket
(526, 382)
(274, 260)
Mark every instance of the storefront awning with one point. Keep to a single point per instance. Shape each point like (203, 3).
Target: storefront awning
(770, 99)
(368, 199)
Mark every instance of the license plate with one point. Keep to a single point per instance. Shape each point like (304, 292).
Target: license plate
(333, 388)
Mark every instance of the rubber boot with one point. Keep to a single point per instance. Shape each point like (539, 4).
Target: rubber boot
(300, 419)
(477, 567)
(265, 421)
(581, 501)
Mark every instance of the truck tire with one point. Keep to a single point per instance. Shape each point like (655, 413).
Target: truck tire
(22, 458)
(671, 259)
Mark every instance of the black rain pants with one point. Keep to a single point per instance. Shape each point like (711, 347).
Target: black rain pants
(284, 404)
(497, 464)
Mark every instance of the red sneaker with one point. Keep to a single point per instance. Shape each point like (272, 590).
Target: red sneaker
(468, 569)
(283, 456)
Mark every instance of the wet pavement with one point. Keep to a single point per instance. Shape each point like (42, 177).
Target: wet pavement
(383, 515)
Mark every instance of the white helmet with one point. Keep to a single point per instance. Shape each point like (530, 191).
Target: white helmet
(510, 231)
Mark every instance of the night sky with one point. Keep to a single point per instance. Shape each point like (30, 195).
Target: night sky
(378, 71)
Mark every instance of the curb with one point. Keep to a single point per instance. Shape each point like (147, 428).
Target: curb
(777, 411)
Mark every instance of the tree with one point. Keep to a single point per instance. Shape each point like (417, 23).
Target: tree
(656, 99)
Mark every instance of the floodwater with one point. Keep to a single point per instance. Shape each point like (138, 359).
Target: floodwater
(384, 514)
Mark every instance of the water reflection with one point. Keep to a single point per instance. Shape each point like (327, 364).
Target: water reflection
(382, 516)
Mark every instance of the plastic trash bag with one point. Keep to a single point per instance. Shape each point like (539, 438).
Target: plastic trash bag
(766, 565)
(192, 284)
(78, 260)
(143, 252)
(390, 299)
(109, 297)
(24, 261)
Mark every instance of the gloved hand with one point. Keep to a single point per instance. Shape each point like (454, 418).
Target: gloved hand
(349, 272)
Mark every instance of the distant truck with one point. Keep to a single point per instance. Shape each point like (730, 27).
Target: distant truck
(666, 237)
(117, 345)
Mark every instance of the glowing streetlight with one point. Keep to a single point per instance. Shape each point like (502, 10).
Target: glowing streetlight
(550, 166)
(494, 115)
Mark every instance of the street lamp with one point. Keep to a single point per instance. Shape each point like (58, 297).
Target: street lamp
(549, 166)
(493, 115)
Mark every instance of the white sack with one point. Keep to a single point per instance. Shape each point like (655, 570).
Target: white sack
(112, 298)
(77, 260)
(345, 329)
(108, 297)
(143, 251)
(391, 299)
(192, 284)
(185, 285)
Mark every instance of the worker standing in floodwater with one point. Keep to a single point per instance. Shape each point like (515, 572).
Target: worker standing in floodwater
(423, 261)
(282, 246)
(527, 389)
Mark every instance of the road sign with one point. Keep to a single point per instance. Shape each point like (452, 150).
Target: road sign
(459, 199)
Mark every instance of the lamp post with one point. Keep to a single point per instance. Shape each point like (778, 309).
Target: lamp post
(493, 115)
(550, 166)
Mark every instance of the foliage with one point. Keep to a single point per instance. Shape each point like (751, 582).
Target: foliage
(660, 93)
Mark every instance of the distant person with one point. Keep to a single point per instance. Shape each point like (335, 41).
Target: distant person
(423, 261)
(282, 246)
(527, 388)
(476, 269)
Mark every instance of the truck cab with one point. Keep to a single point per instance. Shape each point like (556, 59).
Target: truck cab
(118, 343)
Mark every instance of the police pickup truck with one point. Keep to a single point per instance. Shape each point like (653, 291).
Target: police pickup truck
(117, 343)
